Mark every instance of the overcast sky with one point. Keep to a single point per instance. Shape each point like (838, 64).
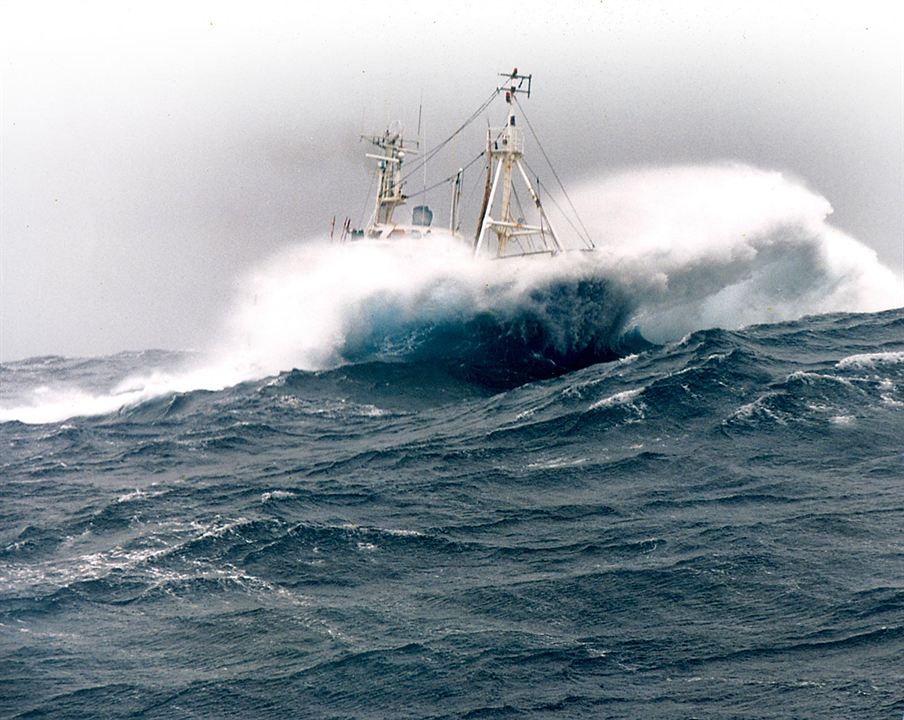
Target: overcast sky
(153, 152)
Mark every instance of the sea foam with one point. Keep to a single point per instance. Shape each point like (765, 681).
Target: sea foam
(679, 249)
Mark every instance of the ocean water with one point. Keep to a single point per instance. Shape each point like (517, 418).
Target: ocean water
(408, 484)
(706, 528)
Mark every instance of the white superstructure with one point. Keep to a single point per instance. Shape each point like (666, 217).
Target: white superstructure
(506, 226)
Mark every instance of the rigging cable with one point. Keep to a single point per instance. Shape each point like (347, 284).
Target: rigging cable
(445, 180)
(555, 202)
(474, 185)
(518, 238)
(433, 151)
(586, 236)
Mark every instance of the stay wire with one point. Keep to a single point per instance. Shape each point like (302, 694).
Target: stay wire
(555, 202)
(445, 180)
(586, 236)
(434, 150)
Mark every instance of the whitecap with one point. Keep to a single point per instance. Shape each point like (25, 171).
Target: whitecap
(871, 360)
(620, 398)
(276, 495)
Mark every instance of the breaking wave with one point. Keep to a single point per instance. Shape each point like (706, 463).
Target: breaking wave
(727, 246)
(679, 249)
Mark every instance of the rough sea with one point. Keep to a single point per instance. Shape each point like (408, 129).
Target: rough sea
(475, 490)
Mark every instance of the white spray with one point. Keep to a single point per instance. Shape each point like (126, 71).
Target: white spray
(693, 246)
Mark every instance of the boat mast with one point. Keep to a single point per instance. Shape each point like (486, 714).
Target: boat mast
(455, 210)
(505, 148)
(389, 179)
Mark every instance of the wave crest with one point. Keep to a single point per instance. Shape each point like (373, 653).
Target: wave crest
(680, 249)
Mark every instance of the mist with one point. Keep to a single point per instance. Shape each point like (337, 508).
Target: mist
(153, 156)
(684, 248)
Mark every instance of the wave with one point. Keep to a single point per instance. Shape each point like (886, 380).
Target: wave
(680, 249)
(872, 360)
(729, 245)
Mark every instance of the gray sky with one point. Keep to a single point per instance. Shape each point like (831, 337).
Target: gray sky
(152, 153)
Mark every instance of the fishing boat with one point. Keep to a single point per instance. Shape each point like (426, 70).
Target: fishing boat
(506, 227)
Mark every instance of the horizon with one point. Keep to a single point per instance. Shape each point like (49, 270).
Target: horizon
(153, 157)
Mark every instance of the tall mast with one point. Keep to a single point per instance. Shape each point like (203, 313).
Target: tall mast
(389, 179)
(505, 148)
(455, 209)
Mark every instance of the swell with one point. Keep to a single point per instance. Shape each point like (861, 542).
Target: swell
(692, 524)
(556, 327)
